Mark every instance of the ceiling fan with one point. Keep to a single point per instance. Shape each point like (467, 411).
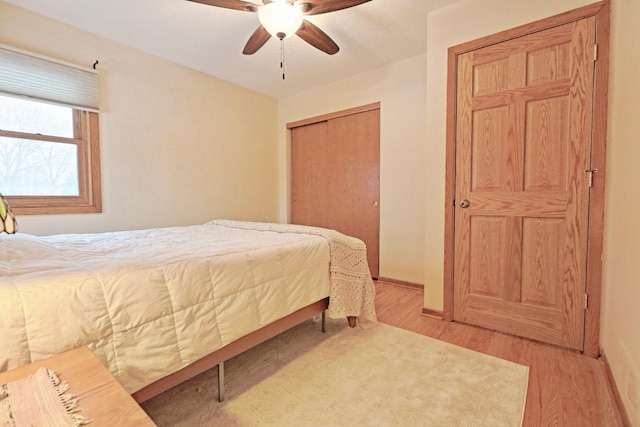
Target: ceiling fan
(284, 18)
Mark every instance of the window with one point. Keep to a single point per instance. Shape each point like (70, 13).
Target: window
(48, 157)
(49, 144)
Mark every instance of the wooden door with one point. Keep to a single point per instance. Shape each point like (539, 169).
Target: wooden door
(335, 177)
(523, 141)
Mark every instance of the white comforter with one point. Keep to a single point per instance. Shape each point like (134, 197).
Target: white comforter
(150, 302)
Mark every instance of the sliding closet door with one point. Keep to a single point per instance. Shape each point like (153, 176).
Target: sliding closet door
(335, 176)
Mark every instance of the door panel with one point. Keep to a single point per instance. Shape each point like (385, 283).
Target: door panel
(544, 160)
(523, 142)
(310, 190)
(335, 177)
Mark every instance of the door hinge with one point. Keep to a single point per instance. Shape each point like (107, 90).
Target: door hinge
(595, 52)
(591, 172)
(586, 301)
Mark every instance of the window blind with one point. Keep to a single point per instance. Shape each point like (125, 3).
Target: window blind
(37, 77)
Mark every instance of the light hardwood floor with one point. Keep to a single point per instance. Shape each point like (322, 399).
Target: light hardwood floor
(565, 387)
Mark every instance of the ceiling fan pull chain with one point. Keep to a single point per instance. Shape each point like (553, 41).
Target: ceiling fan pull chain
(282, 56)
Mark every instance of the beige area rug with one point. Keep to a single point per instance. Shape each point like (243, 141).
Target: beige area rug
(381, 376)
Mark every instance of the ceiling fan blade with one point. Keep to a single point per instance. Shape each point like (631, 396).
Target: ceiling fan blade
(256, 41)
(317, 38)
(316, 7)
(230, 4)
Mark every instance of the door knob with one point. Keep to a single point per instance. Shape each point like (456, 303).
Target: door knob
(464, 203)
(375, 203)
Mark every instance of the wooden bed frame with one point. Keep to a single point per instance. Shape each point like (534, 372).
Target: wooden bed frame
(218, 357)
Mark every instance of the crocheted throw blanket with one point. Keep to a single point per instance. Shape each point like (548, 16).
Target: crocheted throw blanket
(352, 291)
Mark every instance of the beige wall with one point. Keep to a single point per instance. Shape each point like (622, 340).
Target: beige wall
(400, 89)
(169, 135)
(620, 331)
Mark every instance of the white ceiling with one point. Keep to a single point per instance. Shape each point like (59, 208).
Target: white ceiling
(211, 39)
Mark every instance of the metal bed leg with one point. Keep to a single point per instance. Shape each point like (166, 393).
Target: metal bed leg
(220, 381)
(324, 315)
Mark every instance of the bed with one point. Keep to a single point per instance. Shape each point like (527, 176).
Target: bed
(159, 306)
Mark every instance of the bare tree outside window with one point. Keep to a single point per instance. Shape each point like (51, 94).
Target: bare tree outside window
(30, 167)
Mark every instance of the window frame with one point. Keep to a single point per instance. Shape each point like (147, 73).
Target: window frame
(89, 200)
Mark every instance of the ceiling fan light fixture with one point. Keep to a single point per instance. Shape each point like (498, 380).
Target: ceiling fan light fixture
(280, 18)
